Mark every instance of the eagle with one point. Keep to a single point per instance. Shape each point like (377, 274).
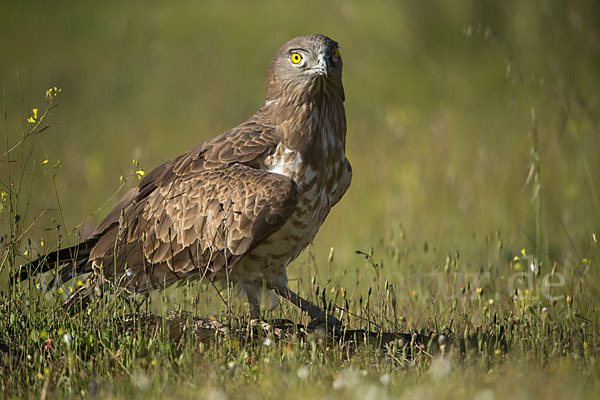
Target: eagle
(239, 207)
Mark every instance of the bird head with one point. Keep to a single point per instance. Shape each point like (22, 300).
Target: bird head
(305, 66)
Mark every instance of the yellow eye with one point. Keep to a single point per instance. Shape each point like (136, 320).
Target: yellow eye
(296, 58)
(336, 52)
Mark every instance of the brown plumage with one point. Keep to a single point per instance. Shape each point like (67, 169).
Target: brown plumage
(240, 206)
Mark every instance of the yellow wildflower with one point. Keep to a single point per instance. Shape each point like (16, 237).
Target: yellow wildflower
(518, 266)
(32, 120)
(52, 92)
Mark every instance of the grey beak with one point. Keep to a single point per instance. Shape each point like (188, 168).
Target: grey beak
(322, 66)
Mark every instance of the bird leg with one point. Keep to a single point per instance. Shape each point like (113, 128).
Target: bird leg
(254, 303)
(317, 315)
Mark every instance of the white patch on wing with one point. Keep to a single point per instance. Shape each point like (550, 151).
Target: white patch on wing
(277, 167)
(285, 162)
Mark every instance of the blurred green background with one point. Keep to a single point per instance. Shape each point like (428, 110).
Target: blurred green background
(439, 104)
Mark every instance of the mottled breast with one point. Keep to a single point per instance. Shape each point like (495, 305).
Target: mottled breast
(321, 187)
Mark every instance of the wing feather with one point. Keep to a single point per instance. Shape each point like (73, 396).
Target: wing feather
(196, 214)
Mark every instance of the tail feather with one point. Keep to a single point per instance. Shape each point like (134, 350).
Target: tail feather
(69, 271)
(75, 258)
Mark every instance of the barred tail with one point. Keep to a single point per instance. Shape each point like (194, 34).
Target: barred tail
(75, 261)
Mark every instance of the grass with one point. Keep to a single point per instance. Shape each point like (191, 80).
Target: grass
(473, 136)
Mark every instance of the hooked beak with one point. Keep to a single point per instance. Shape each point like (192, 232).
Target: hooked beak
(322, 67)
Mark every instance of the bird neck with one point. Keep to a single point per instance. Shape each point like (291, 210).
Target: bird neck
(310, 122)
